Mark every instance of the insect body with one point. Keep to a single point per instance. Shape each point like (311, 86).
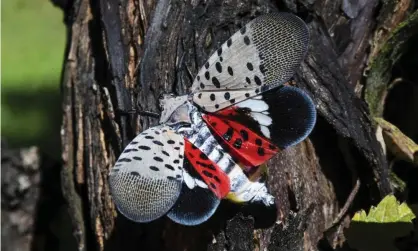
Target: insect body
(209, 144)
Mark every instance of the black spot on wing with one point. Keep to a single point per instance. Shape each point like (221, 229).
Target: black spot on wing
(203, 156)
(219, 51)
(230, 71)
(208, 174)
(144, 148)
(169, 167)
(218, 67)
(136, 158)
(210, 166)
(244, 135)
(154, 168)
(247, 40)
(165, 153)
(238, 143)
(134, 173)
(257, 80)
(212, 97)
(215, 82)
(228, 135)
(258, 142)
(130, 150)
(158, 142)
(124, 160)
(156, 158)
(260, 151)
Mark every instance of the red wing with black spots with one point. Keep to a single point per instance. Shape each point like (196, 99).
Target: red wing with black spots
(254, 130)
(216, 180)
(241, 142)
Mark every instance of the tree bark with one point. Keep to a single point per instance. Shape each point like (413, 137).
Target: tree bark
(34, 214)
(122, 52)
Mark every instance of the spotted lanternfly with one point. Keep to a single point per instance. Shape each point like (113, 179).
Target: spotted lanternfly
(210, 143)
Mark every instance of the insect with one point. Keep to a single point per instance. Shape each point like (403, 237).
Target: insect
(210, 143)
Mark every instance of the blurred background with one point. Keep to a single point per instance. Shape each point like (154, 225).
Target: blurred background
(34, 216)
(32, 50)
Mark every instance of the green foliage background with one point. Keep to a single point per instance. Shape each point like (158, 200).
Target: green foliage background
(32, 50)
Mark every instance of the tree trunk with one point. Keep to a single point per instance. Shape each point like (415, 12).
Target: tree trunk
(121, 52)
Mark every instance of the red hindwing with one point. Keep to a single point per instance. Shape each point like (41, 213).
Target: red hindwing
(210, 172)
(242, 143)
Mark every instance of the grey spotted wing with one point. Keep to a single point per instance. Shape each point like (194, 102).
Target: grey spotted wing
(146, 180)
(262, 55)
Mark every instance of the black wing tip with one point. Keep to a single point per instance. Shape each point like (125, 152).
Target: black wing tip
(194, 206)
(309, 114)
(293, 114)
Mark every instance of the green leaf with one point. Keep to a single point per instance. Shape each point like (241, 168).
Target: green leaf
(388, 210)
(379, 229)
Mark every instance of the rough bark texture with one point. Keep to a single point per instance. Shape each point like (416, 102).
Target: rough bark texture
(120, 52)
(20, 182)
(34, 215)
